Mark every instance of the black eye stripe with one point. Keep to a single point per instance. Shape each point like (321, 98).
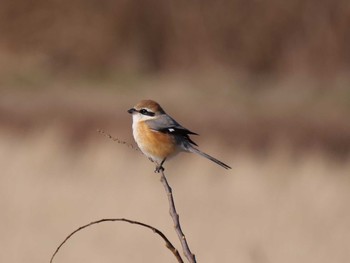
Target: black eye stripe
(146, 112)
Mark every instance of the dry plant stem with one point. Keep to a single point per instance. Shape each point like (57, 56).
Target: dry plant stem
(172, 210)
(155, 230)
(117, 140)
(174, 215)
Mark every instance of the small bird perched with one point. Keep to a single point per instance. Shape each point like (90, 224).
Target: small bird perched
(159, 136)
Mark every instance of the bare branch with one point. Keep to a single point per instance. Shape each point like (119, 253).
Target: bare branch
(155, 230)
(174, 215)
(172, 210)
(117, 140)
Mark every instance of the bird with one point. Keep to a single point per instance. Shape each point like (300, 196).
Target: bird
(160, 137)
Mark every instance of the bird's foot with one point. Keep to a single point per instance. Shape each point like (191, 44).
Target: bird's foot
(159, 168)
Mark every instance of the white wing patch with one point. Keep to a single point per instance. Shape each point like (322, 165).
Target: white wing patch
(171, 130)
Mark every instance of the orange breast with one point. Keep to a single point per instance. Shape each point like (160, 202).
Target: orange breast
(153, 143)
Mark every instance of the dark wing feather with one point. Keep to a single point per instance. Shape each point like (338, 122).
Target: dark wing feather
(181, 131)
(166, 124)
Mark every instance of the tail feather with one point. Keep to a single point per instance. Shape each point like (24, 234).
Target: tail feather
(195, 150)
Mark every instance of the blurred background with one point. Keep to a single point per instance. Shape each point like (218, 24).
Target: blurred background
(265, 83)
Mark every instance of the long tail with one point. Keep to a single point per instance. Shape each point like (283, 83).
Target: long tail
(195, 150)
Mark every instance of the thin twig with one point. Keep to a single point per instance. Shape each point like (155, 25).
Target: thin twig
(155, 230)
(117, 140)
(172, 210)
(174, 215)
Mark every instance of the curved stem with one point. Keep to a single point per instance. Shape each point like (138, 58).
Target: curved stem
(155, 230)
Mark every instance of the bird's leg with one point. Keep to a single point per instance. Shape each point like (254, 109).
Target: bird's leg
(160, 167)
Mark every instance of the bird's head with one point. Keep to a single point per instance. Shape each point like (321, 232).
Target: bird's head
(146, 110)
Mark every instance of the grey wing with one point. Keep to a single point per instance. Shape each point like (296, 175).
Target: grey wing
(164, 123)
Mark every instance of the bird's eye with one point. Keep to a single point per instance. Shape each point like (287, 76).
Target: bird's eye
(146, 112)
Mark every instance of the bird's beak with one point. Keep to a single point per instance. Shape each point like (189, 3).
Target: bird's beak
(131, 111)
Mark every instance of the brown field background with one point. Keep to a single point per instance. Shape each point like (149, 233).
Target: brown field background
(264, 83)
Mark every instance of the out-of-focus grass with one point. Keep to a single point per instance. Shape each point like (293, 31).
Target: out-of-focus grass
(234, 110)
(270, 36)
(273, 209)
(285, 200)
(265, 84)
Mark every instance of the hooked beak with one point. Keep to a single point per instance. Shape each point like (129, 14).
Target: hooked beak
(131, 111)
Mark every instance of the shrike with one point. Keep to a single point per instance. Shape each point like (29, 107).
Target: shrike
(159, 136)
